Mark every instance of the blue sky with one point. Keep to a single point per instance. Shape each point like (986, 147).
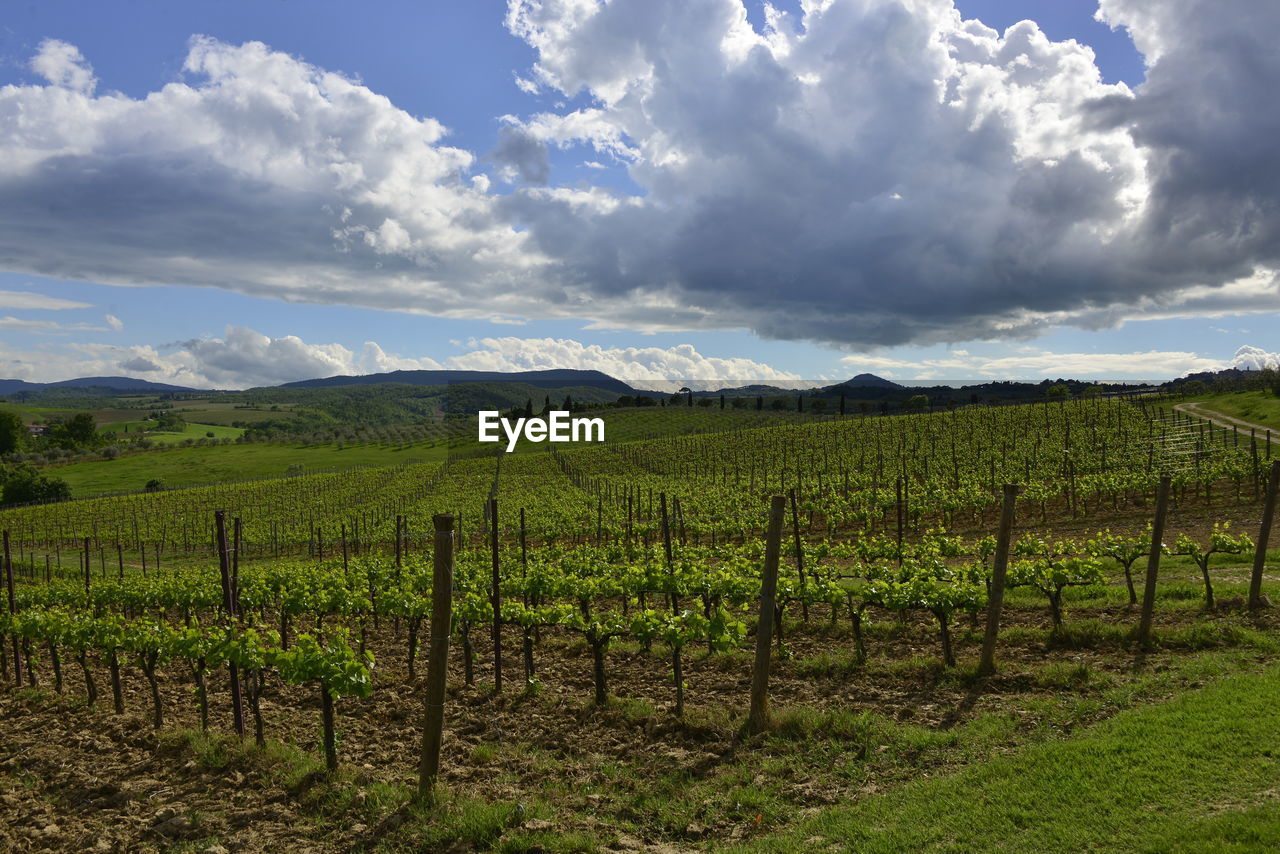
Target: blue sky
(640, 191)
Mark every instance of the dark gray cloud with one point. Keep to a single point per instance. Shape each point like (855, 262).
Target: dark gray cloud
(1207, 120)
(140, 365)
(520, 154)
(888, 173)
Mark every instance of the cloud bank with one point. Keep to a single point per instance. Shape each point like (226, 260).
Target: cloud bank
(864, 173)
(244, 358)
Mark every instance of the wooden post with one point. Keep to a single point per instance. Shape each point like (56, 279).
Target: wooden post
(497, 597)
(758, 719)
(1153, 561)
(899, 483)
(666, 545)
(795, 528)
(1264, 535)
(13, 609)
(228, 606)
(438, 652)
(399, 523)
(524, 573)
(237, 530)
(995, 601)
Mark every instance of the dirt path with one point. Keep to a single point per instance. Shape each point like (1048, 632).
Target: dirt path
(1237, 424)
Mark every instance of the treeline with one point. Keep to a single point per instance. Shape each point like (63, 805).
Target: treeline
(1232, 379)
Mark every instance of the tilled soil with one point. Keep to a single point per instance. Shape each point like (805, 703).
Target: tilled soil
(74, 778)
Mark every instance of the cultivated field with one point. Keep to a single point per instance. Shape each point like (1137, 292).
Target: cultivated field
(620, 588)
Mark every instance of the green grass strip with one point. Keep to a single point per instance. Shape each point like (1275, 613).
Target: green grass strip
(1197, 773)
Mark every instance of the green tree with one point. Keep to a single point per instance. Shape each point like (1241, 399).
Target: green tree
(24, 485)
(1058, 391)
(79, 431)
(12, 431)
(916, 403)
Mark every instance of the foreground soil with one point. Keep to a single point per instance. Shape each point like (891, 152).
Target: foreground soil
(538, 767)
(546, 762)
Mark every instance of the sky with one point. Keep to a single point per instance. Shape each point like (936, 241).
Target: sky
(233, 194)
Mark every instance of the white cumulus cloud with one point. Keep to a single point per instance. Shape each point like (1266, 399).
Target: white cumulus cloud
(1249, 358)
(243, 358)
(659, 368)
(859, 172)
(63, 65)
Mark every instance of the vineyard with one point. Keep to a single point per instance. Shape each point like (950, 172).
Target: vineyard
(695, 640)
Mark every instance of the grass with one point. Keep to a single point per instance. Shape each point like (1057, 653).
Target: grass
(196, 465)
(190, 430)
(1257, 407)
(1185, 774)
(42, 414)
(1018, 775)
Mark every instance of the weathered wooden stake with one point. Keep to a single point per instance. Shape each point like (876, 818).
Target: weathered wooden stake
(758, 719)
(1264, 535)
(1153, 561)
(438, 652)
(795, 529)
(497, 596)
(229, 607)
(13, 609)
(995, 601)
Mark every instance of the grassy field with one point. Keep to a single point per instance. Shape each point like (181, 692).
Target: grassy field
(642, 423)
(1258, 407)
(1196, 773)
(196, 411)
(195, 465)
(192, 430)
(184, 466)
(42, 414)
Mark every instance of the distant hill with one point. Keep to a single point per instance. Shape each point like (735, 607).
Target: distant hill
(866, 381)
(115, 384)
(750, 391)
(15, 386)
(541, 379)
(119, 384)
(1226, 375)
